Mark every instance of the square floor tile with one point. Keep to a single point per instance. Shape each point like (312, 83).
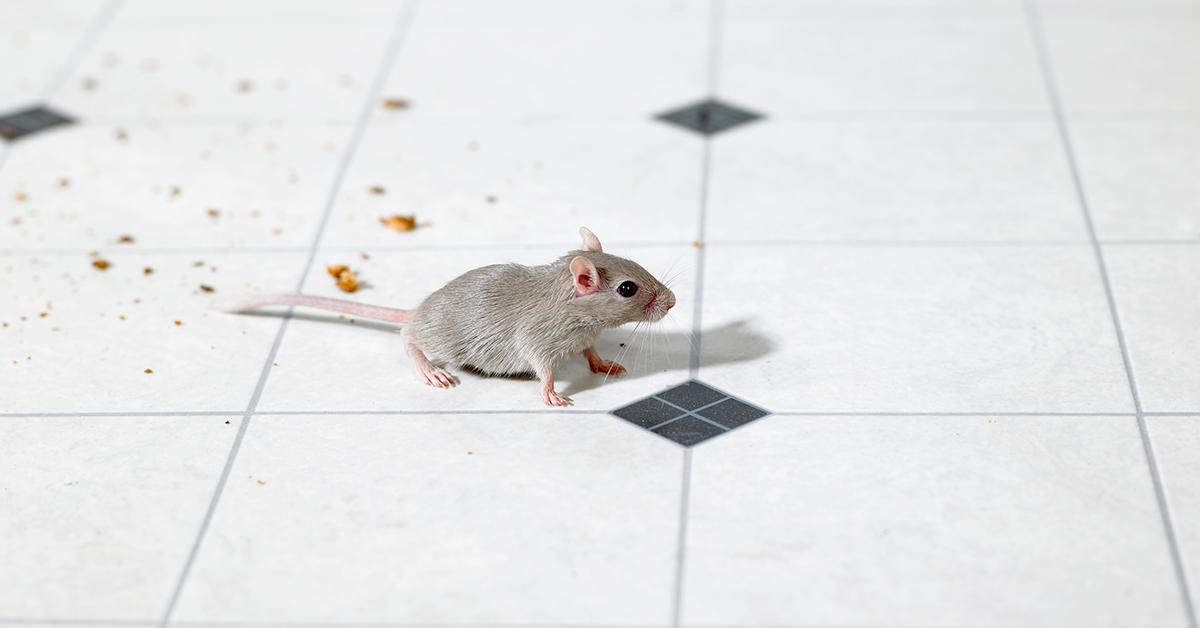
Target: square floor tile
(927, 521)
(227, 68)
(1158, 294)
(1177, 445)
(106, 510)
(562, 62)
(907, 59)
(1140, 177)
(363, 365)
(268, 184)
(1135, 61)
(471, 183)
(911, 329)
(546, 518)
(74, 338)
(894, 180)
(21, 123)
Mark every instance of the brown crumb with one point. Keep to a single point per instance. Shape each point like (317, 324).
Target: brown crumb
(20, 197)
(376, 189)
(398, 222)
(365, 256)
(244, 86)
(207, 288)
(147, 271)
(43, 314)
(122, 136)
(276, 231)
(698, 244)
(121, 316)
(178, 323)
(346, 280)
(89, 84)
(198, 263)
(125, 239)
(64, 183)
(148, 371)
(101, 264)
(16, 220)
(395, 103)
(261, 482)
(8, 132)
(491, 199)
(175, 191)
(213, 212)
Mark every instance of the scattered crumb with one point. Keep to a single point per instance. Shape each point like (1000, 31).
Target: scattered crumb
(20, 197)
(346, 280)
(43, 314)
(213, 212)
(207, 288)
(491, 199)
(89, 84)
(261, 482)
(398, 222)
(365, 256)
(376, 189)
(178, 323)
(121, 316)
(8, 132)
(469, 453)
(698, 244)
(198, 263)
(148, 371)
(175, 191)
(16, 220)
(395, 103)
(276, 231)
(125, 239)
(101, 264)
(122, 136)
(64, 183)
(147, 271)
(244, 86)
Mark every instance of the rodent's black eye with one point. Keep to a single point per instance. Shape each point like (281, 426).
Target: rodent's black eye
(627, 289)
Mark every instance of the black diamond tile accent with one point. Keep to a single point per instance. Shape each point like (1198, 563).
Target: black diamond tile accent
(648, 412)
(732, 413)
(690, 413)
(708, 117)
(689, 430)
(18, 124)
(691, 395)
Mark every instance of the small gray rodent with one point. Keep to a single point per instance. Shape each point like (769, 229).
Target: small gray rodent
(509, 319)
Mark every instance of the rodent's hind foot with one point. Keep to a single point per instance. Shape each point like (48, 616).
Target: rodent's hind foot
(554, 399)
(607, 367)
(438, 378)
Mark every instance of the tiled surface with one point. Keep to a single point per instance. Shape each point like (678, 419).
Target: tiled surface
(987, 521)
(1177, 440)
(912, 260)
(1159, 289)
(458, 529)
(105, 511)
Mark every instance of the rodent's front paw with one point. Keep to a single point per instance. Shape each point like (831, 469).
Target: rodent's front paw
(607, 367)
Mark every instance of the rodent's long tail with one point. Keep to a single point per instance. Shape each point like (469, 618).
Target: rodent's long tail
(375, 312)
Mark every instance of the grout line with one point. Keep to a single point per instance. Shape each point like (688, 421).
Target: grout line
(391, 51)
(99, 24)
(681, 544)
(698, 305)
(716, 41)
(545, 411)
(118, 414)
(1036, 27)
(709, 421)
(667, 422)
(420, 412)
(868, 413)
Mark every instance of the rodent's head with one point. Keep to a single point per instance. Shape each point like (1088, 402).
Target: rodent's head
(619, 290)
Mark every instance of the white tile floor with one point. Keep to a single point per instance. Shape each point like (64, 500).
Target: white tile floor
(958, 259)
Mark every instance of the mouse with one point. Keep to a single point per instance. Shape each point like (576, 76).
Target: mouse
(512, 319)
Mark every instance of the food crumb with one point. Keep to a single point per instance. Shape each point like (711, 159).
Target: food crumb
(207, 288)
(376, 189)
(148, 371)
(198, 263)
(43, 314)
(89, 84)
(101, 264)
(122, 136)
(395, 103)
(365, 256)
(346, 279)
(121, 316)
(213, 212)
(16, 220)
(178, 323)
(175, 191)
(147, 271)
(244, 86)
(20, 197)
(491, 199)
(125, 239)
(698, 244)
(261, 482)
(399, 222)
(64, 182)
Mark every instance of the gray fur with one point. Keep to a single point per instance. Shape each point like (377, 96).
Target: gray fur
(509, 319)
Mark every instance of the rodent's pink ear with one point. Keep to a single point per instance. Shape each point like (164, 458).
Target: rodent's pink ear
(585, 275)
(590, 241)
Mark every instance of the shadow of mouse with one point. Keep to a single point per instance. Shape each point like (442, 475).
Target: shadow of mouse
(652, 351)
